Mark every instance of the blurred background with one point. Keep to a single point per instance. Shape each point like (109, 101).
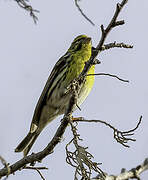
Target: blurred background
(28, 54)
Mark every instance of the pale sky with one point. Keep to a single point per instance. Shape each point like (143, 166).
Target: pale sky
(28, 54)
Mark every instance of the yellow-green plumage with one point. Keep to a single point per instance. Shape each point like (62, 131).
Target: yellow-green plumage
(54, 98)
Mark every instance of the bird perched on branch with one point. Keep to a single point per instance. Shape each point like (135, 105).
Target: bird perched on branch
(54, 98)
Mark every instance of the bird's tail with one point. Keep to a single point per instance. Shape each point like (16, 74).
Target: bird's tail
(27, 143)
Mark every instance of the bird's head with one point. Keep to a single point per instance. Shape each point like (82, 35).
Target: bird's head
(81, 43)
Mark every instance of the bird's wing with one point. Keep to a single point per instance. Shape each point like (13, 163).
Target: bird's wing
(58, 68)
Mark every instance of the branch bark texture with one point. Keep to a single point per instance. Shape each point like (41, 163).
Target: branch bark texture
(134, 173)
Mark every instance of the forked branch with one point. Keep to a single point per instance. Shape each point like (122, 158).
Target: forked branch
(105, 31)
(121, 137)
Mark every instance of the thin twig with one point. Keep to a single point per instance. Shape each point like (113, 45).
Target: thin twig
(132, 130)
(40, 174)
(37, 169)
(34, 168)
(107, 74)
(120, 136)
(23, 4)
(77, 5)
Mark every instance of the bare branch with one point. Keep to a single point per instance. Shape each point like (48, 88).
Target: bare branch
(119, 136)
(37, 157)
(113, 23)
(107, 74)
(42, 177)
(23, 4)
(38, 170)
(77, 5)
(134, 173)
(116, 45)
(34, 168)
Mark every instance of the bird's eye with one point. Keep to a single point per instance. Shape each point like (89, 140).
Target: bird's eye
(79, 46)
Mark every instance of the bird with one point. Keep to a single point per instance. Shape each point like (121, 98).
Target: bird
(54, 98)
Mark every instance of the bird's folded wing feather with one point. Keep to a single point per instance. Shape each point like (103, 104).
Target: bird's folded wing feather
(58, 68)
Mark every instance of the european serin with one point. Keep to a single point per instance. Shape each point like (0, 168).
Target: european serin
(54, 99)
